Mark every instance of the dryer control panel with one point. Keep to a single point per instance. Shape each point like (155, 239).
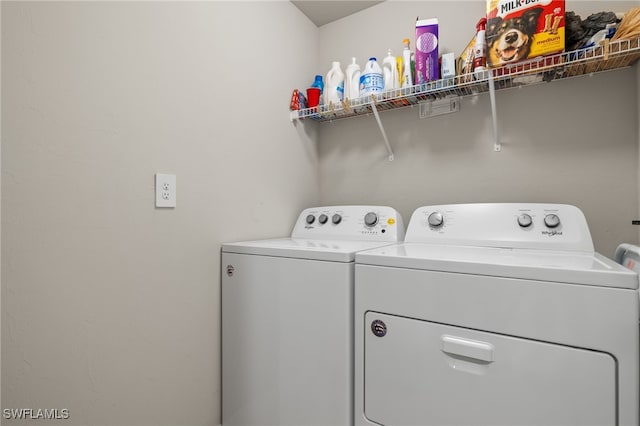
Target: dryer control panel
(506, 225)
(362, 223)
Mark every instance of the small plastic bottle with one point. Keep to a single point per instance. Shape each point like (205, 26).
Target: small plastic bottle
(407, 74)
(371, 80)
(318, 83)
(334, 85)
(352, 80)
(413, 68)
(479, 49)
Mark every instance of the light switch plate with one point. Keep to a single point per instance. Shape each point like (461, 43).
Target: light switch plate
(165, 190)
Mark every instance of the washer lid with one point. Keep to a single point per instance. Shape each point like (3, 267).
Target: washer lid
(542, 265)
(327, 250)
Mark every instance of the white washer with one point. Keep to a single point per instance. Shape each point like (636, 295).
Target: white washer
(287, 318)
(495, 314)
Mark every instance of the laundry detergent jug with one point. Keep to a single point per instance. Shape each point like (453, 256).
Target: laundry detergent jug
(352, 81)
(371, 80)
(334, 85)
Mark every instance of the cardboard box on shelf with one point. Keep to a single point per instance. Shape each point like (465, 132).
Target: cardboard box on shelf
(523, 29)
(427, 68)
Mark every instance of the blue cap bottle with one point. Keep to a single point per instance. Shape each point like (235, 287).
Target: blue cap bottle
(318, 83)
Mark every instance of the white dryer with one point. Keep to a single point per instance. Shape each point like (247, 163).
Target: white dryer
(495, 314)
(287, 318)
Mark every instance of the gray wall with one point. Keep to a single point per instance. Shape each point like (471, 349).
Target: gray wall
(110, 307)
(573, 141)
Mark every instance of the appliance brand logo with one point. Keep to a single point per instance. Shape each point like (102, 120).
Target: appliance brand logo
(551, 233)
(379, 328)
(505, 7)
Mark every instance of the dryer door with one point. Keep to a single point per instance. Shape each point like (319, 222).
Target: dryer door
(423, 373)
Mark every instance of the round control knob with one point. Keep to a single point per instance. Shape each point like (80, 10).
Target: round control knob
(370, 219)
(552, 220)
(336, 219)
(435, 219)
(310, 219)
(524, 220)
(323, 218)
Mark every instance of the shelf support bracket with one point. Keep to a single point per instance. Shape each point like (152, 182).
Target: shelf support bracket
(384, 134)
(494, 115)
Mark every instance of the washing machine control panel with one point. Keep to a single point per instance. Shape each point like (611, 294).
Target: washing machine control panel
(364, 223)
(505, 225)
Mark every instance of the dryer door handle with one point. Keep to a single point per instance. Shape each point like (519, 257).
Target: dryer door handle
(474, 349)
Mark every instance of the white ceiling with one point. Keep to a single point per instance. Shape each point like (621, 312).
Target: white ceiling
(322, 12)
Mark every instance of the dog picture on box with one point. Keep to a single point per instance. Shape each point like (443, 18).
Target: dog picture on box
(518, 30)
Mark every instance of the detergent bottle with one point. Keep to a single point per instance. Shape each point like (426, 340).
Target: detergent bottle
(390, 71)
(371, 80)
(334, 85)
(318, 83)
(352, 81)
(407, 75)
(399, 70)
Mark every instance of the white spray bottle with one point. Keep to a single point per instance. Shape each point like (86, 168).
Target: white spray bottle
(480, 50)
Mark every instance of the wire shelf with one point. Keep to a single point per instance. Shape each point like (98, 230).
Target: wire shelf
(606, 56)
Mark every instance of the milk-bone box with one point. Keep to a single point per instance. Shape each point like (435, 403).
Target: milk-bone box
(523, 29)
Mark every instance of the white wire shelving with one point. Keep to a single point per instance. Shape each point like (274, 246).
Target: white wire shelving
(606, 56)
